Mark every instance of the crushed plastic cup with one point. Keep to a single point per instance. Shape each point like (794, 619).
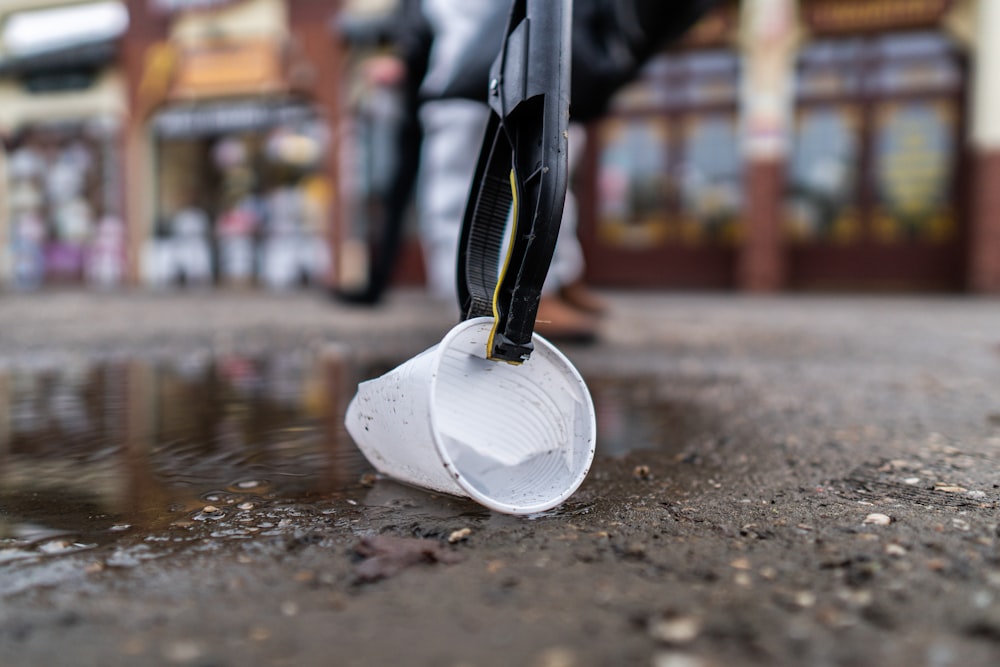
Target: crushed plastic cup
(518, 439)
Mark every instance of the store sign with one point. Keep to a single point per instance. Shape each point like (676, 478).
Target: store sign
(829, 16)
(231, 67)
(225, 117)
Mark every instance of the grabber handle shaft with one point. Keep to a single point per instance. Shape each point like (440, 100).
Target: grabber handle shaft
(522, 165)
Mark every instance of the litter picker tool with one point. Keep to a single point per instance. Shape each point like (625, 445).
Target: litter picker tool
(521, 175)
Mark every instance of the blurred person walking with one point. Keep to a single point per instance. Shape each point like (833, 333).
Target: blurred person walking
(443, 53)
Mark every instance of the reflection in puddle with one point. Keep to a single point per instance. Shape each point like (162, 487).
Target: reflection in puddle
(93, 452)
(90, 453)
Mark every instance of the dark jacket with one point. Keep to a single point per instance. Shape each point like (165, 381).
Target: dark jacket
(612, 40)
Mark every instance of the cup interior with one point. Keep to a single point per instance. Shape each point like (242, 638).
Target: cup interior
(518, 439)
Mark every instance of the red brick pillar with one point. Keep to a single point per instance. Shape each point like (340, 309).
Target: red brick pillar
(769, 35)
(762, 259)
(146, 29)
(984, 210)
(311, 27)
(984, 223)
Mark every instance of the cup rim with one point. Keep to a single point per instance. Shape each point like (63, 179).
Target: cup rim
(544, 347)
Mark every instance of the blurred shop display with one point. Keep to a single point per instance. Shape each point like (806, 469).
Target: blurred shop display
(105, 266)
(291, 251)
(60, 117)
(905, 100)
(63, 204)
(255, 171)
(184, 255)
(237, 131)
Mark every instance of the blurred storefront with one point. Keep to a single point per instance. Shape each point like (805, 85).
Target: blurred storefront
(230, 138)
(799, 145)
(166, 141)
(872, 186)
(782, 145)
(62, 107)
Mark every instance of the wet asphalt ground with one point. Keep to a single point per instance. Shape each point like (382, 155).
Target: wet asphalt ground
(792, 480)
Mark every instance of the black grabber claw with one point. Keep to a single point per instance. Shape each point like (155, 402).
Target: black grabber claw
(522, 167)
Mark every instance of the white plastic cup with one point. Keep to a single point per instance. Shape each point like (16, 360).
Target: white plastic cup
(517, 439)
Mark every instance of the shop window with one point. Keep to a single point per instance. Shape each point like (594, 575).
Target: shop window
(913, 45)
(822, 194)
(64, 201)
(711, 188)
(913, 63)
(875, 142)
(903, 77)
(668, 162)
(914, 149)
(709, 78)
(828, 68)
(632, 182)
(242, 195)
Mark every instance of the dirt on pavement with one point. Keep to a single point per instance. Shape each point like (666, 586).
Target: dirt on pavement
(790, 481)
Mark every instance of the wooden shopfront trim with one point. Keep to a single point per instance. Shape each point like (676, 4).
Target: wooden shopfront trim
(840, 17)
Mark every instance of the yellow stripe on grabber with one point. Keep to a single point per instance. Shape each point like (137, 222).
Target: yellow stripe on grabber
(503, 271)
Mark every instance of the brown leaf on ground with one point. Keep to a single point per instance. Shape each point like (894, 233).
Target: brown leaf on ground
(385, 555)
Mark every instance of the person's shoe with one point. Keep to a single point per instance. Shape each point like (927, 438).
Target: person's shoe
(557, 321)
(365, 296)
(583, 298)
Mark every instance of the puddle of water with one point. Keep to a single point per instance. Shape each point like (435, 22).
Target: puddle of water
(93, 452)
(90, 453)
(639, 413)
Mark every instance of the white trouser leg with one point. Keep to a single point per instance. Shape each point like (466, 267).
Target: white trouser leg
(453, 135)
(567, 260)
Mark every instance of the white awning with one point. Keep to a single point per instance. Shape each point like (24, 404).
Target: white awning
(39, 30)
